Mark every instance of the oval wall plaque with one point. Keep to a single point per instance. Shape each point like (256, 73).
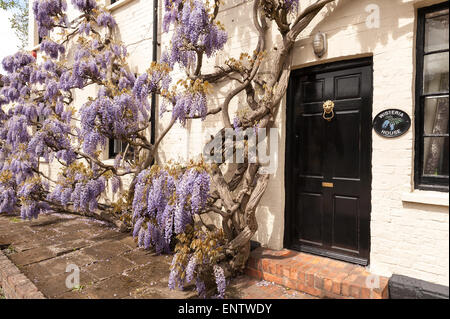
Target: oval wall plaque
(391, 123)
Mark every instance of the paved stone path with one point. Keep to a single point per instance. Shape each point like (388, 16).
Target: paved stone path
(111, 266)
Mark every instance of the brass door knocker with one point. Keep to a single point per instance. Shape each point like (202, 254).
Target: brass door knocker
(328, 108)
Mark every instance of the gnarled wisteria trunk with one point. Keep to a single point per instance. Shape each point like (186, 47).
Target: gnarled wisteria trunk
(171, 207)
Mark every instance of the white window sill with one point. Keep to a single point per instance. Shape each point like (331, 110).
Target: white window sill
(426, 197)
(118, 4)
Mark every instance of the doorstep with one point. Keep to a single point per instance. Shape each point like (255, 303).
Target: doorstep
(315, 275)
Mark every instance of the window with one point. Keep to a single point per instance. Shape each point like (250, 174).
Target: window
(117, 146)
(37, 39)
(432, 110)
(38, 126)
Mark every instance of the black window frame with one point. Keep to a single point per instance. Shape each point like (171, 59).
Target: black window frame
(421, 182)
(111, 152)
(122, 145)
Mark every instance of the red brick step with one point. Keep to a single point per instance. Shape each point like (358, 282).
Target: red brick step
(318, 276)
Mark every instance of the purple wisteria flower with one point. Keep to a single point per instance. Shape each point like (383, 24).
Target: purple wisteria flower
(220, 281)
(188, 105)
(51, 48)
(105, 19)
(17, 61)
(290, 5)
(190, 268)
(8, 199)
(192, 25)
(49, 13)
(201, 288)
(85, 5)
(85, 28)
(163, 198)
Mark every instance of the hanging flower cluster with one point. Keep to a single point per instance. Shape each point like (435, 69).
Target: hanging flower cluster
(105, 19)
(14, 171)
(52, 140)
(80, 186)
(17, 183)
(290, 5)
(165, 201)
(85, 5)
(189, 101)
(52, 48)
(156, 79)
(193, 29)
(108, 117)
(196, 255)
(28, 194)
(19, 67)
(48, 14)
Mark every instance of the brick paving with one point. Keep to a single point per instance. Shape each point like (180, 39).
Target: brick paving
(315, 275)
(111, 266)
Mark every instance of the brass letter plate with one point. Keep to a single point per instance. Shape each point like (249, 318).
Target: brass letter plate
(326, 184)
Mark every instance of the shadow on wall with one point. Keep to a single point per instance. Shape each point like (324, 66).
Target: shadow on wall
(362, 27)
(425, 207)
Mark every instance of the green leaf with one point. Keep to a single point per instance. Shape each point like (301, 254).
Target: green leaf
(15, 220)
(78, 288)
(19, 19)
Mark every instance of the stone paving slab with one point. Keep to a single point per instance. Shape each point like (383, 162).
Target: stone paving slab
(244, 287)
(111, 266)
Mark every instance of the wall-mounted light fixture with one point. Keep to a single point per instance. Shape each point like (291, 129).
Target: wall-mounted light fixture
(320, 44)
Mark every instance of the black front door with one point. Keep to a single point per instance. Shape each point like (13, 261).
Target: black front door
(328, 163)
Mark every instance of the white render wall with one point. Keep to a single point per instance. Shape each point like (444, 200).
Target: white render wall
(409, 229)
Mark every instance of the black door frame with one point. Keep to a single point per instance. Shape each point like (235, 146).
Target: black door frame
(290, 139)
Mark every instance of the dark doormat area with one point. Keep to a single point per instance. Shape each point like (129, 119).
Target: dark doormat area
(403, 287)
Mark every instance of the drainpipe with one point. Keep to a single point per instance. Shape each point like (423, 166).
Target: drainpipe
(154, 58)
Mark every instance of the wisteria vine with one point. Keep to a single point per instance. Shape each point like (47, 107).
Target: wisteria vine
(167, 205)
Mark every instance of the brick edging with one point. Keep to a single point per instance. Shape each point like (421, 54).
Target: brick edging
(14, 284)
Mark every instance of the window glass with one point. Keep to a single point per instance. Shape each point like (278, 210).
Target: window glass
(436, 115)
(118, 146)
(435, 156)
(436, 31)
(435, 73)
